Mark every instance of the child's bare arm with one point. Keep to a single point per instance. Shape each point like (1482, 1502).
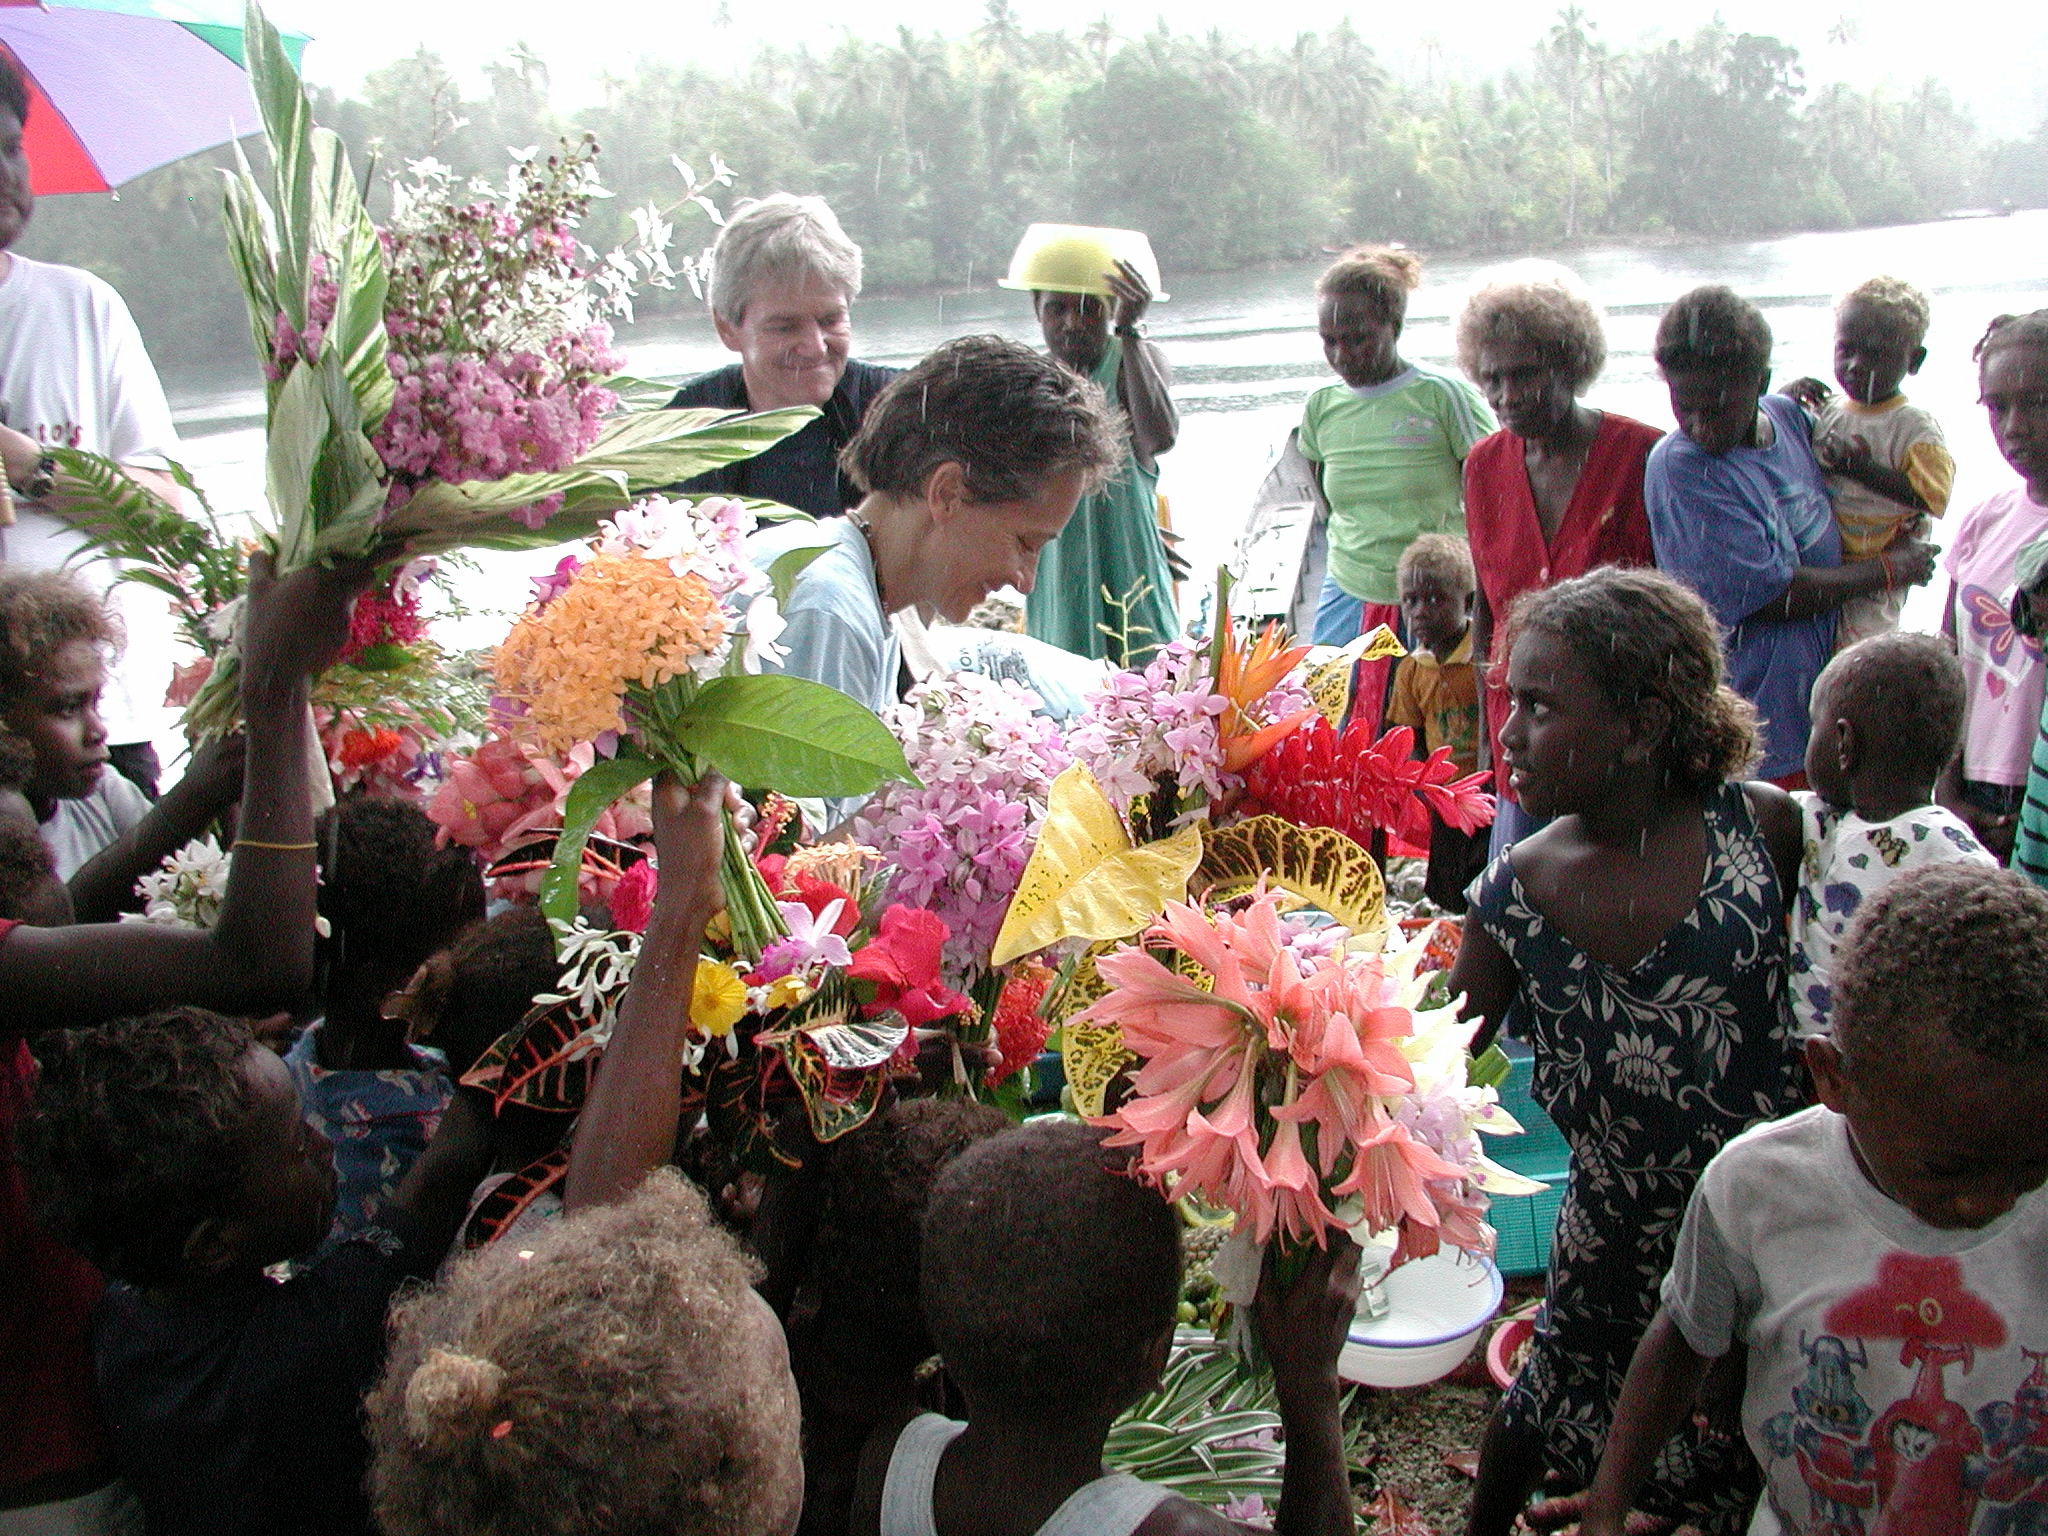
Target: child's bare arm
(259, 955)
(628, 1125)
(1485, 977)
(1303, 1328)
(1852, 457)
(1663, 1380)
(104, 887)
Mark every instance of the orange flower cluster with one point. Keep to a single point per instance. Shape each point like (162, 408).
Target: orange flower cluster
(623, 621)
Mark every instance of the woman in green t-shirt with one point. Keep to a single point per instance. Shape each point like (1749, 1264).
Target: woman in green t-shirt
(1389, 446)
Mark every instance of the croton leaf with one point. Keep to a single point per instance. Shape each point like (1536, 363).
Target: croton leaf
(549, 1065)
(1319, 864)
(497, 1211)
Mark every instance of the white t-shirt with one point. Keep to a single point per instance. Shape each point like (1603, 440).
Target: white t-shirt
(73, 373)
(78, 829)
(1896, 1385)
(1847, 861)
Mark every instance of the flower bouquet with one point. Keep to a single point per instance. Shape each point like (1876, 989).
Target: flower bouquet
(647, 648)
(1290, 1080)
(437, 384)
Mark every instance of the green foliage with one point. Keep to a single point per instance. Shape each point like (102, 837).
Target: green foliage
(936, 152)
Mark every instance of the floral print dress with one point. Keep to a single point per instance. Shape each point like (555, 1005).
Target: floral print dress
(1647, 1071)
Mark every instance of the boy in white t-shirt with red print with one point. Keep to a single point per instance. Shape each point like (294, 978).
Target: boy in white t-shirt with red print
(1880, 1255)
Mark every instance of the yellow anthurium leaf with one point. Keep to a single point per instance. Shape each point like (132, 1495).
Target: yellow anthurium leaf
(1319, 864)
(1329, 669)
(1085, 880)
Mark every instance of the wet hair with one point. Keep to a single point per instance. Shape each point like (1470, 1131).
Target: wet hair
(138, 1134)
(1542, 305)
(1906, 695)
(1008, 416)
(470, 993)
(27, 869)
(1049, 1271)
(780, 238)
(597, 1378)
(1440, 557)
(391, 896)
(1902, 307)
(878, 1181)
(1951, 951)
(13, 88)
(2028, 330)
(1642, 635)
(17, 760)
(1713, 330)
(40, 612)
(1382, 275)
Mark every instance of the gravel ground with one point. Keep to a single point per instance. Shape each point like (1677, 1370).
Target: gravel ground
(1403, 1438)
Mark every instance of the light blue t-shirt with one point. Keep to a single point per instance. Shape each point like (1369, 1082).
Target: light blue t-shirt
(1735, 528)
(837, 633)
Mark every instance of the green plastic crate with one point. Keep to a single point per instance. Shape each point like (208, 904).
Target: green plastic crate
(1524, 1222)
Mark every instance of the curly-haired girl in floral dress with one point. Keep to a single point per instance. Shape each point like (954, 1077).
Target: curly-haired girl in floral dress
(1639, 944)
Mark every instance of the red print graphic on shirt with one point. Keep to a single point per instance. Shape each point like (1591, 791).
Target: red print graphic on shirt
(1921, 1444)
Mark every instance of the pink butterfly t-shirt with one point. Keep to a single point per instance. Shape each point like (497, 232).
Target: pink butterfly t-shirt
(2002, 667)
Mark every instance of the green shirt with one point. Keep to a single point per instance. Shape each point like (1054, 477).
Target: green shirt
(1392, 457)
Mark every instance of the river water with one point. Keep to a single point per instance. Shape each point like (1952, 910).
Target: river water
(1245, 354)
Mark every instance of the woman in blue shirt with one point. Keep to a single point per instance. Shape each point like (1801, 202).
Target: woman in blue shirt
(1739, 510)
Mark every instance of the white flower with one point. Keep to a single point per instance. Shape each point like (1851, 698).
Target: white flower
(764, 627)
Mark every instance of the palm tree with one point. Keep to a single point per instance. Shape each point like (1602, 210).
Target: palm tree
(1100, 40)
(1000, 36)
(1569, 42)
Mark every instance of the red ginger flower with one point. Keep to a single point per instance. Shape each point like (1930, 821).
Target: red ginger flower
(1020, 1029)
(1318, 777)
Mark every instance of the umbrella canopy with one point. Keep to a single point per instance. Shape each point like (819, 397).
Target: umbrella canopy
(119, 87)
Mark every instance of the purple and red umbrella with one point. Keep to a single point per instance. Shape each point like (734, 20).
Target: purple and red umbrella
(119, 87)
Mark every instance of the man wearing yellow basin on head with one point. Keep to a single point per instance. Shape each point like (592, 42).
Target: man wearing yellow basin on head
(1104, 588)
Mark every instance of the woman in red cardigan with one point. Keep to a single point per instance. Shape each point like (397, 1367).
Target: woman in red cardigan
(1559, 489)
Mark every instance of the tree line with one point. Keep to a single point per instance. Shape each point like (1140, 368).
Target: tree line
(936, 151)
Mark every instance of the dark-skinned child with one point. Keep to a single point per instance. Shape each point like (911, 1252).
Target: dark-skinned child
(1436, 693)
(1878, 1256)
(56, 638)
(616, 1371)
(1888, 468)
(1051, 1277)
(1640, 940)
(391, 900)
(57, 1463)
(1887, 718)
(459, 1002)
(2007, 680)
(846, 1281)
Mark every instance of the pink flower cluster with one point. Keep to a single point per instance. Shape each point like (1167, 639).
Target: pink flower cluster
(495, 346)
(1284, 1091)
(1141, 726)
(456, 417)
(289, 345)
(957, 841)
(507, 794)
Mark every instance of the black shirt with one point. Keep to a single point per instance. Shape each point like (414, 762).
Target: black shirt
(802, 470)
(239, 1412)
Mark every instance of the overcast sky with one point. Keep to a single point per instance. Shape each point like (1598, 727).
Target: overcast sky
(1991, 53)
